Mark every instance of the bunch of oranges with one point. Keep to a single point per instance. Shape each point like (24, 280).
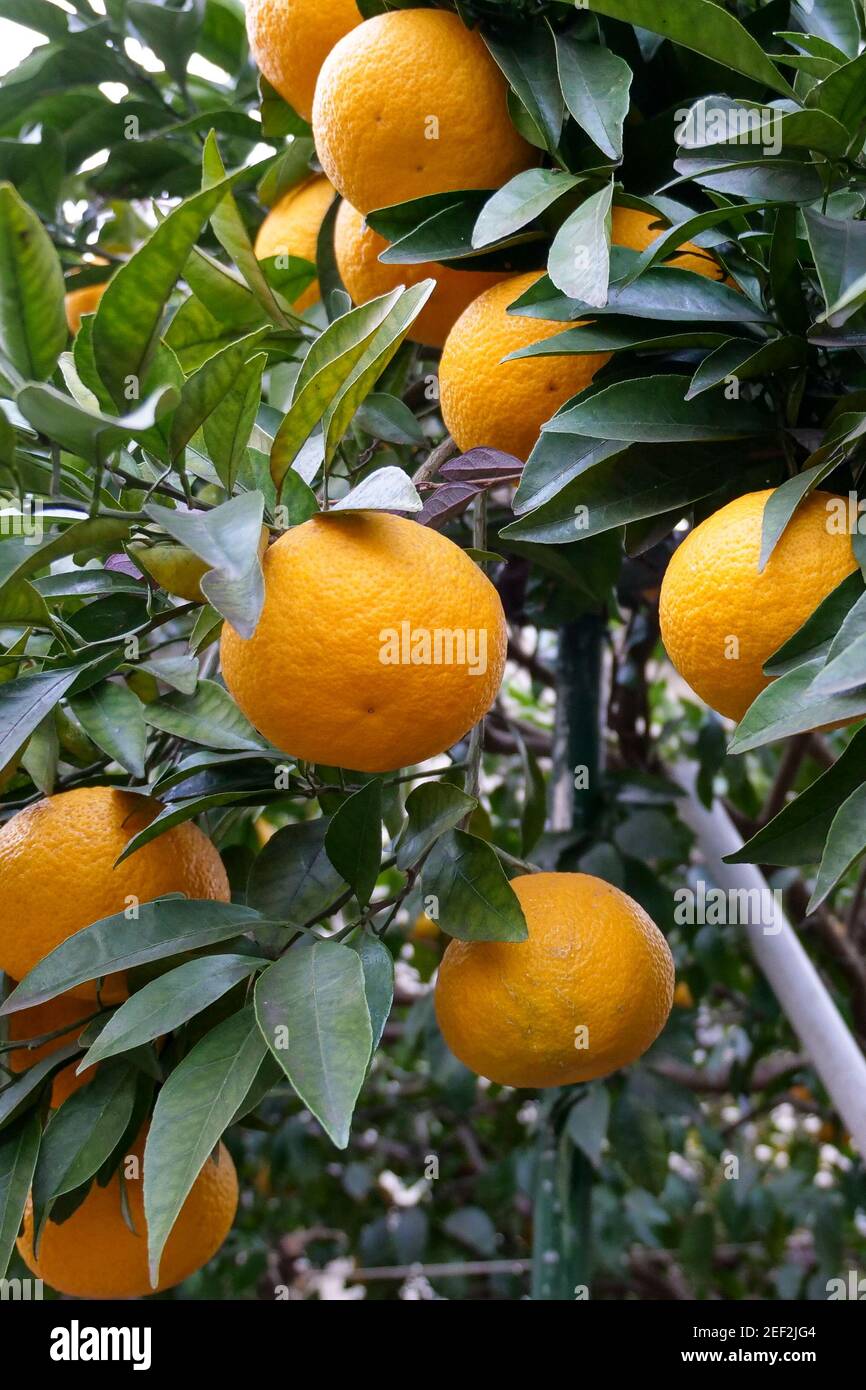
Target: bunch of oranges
(81, 834)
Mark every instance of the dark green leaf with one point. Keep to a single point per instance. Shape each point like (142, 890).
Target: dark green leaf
(703, 27)
(111, 715)
(19, 1150)
(654, 410)
(167, 927)
(168, 1002)
(193, 1109)
(796, 835)
(476, 902)
(32, 318)
(595, 84)
(312, 1010)
(353, 839)
(378, 966)
(293, 879)
(431, 808)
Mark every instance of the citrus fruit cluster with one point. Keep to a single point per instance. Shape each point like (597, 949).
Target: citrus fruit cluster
(406, 105)
(74, 839)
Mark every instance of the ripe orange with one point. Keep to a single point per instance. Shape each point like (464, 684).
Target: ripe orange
(721, 620)
(57, 873)
(588, 992)
(95, 1254)
(291, 228)
(636, 229)
(81, 302)
(64, 1012)
(504, 404)
(348, 597)
(290, 39)
(358, 248)
(411, 103)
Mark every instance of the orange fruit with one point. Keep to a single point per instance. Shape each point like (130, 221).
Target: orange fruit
(425, 929)
(364, 653)
(721, 620)
(588, 992)
(411, 103)
(683, 997)
(636, 229)
(64, 1012)
(291, 228)
(290, 39)
(81, 302)
(57, 873)
(504, 404)
(358, 248)
(95, 1254)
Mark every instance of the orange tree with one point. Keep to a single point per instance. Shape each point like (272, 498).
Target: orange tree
(287, 662)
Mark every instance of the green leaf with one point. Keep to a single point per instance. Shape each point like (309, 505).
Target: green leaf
(227, 538)
(796, 835)
(704, 28)
(743, 361)
(835, 21)
(595, 84)
(129, 317)
(326, 368)
(228, 427)
(527, 57)
(654, 410)
(638, 1141)
(312, 1010)
(378, 966)
(364, 374)
(193, 1109)
(111, 715)
(19, 1150)
(839, 249)
(90, 433)
(231, 233)
(293, 880)
(614, 492)
(521, 201)
(431, 809)
(842, 95)
(666, 293)
(209, 717)
(83, 1133)
(32, 317)
(587, 1123)
(476, 901)
(166, 927)
(846, 841)
(621, 335)
(171, 31)
(788, 706)
(168, 1002)
(387, 417)
(207, 389)
(353, 839)
(388, 489)
(25, 702)
(579, 262)
(781, 506)
(18, 1096)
